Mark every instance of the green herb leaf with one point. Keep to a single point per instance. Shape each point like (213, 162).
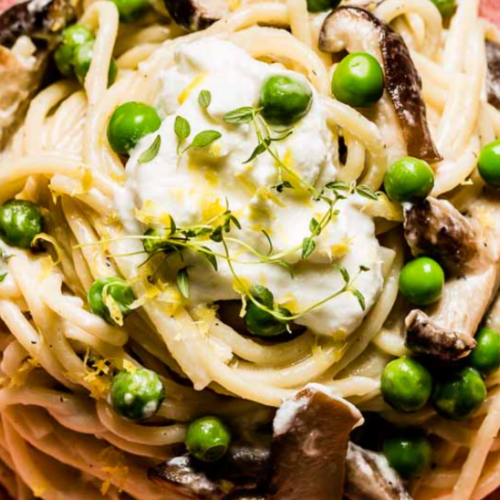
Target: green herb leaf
(173, 226)
(183, 281)
(261, 148)
(3, 276)
(150, 153)
(363, 269)
(314, 227)
(308, 247)
(235, 221)
(344, 273)
(269, 241)
(366, 192)
(205, 98)
(210, 257)
(205, 138)
(196, 232)
(182, 130)
(217, 234)
(282, 186)
(360, 297)
(338, 186)
(283, 136)
(240, 115)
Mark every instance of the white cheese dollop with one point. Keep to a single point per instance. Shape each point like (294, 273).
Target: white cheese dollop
(196, 186)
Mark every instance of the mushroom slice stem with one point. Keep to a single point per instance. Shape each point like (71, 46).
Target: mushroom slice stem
(196, 15)
(401, 113)
(369, 477)
(311, 434)
(437, 229)
(446, 329)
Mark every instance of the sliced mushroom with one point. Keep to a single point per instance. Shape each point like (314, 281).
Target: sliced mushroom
(493, 76)
(369, 477)
(182, 477)
(39, 19)
(196, 15)
(245, 470)
(436, 228)
(424, 337)
(446, 329)
(401, 113)
(311, 434)
(28, 31)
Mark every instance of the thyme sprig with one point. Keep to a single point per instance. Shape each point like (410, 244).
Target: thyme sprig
(348, 287)
(265, 139)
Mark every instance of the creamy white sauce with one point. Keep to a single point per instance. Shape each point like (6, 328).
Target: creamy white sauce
(197, 185)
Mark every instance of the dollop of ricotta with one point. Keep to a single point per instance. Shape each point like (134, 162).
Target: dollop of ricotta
(199, 184)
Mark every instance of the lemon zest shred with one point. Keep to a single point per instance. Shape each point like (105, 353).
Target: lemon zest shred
(205, 317)
(128, 366)
(49, 239)
(47, 265)
(189, 89)
(20, 376)
(113, 464)
(39, 490)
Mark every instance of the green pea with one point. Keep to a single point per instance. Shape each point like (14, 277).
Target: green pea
(285, 100)
(409, 453)
(358, 80)
(20, 222)
(129, 123)
(485, 358)
(446, 7)
(322, 5)
(460, 394)
(208, 439)
(406, 385)
(489, 164)
(421, 281)
(261, 323)
(83, 60)
(72, 38)
(130, 10)
(118, 289)
(409, 179)
(137, 394)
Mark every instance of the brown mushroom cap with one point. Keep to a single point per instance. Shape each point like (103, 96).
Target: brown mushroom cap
(436, 228)
(196, 15)
(34, 19)
(493, 76)
(311, 434)
(424, 337)
(357, 29)
(369, 477)
(243, 471)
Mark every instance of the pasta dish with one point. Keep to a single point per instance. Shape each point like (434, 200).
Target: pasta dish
(250, 249)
